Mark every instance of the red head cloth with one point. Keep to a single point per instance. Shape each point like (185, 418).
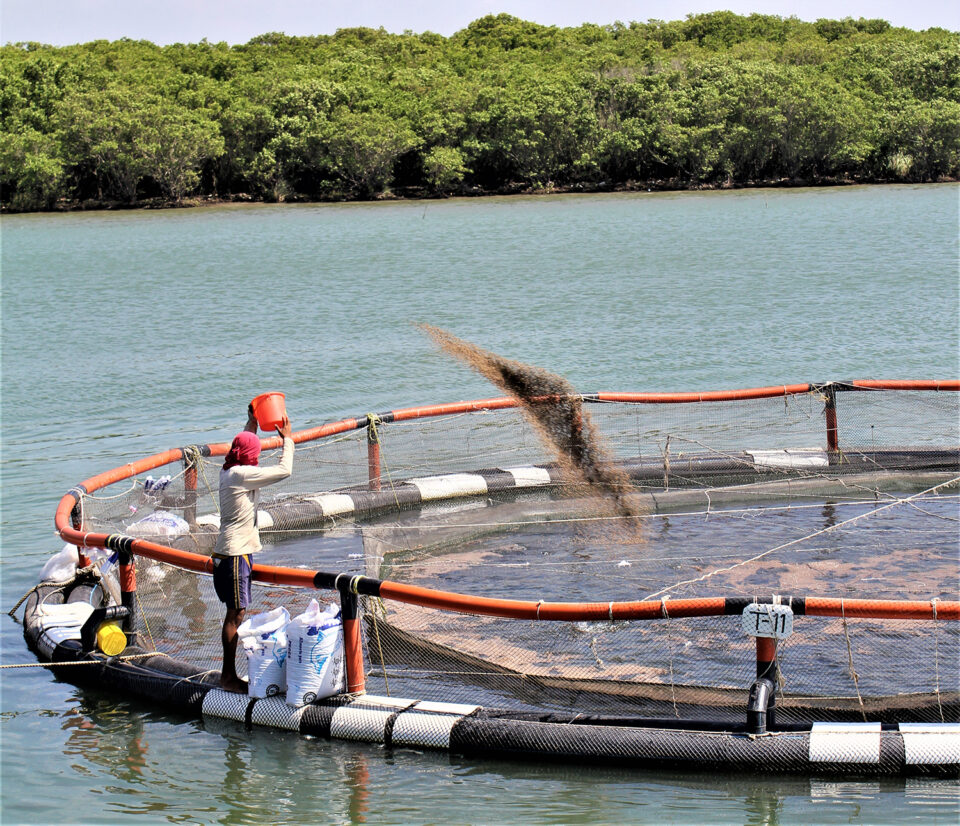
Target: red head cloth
(245, 450)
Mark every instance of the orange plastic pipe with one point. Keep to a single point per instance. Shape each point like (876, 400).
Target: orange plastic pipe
(453, 408)
(882, 608)
(709, 396)
(353, 650)
(830, 414)
(949, 384)
(373, 464)
(527, 609)
(321, 432)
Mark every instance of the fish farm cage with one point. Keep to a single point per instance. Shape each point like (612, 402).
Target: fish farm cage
(776, 590)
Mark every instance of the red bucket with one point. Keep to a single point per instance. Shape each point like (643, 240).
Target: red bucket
(270, 410)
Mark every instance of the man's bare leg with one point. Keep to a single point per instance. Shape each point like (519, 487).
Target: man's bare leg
(229, 681)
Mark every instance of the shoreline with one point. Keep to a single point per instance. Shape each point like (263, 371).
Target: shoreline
(413, 194)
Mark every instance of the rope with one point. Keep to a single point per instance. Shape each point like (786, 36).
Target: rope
(509, 675)
(193, 456)
(12, 612)
(146, 622)
(198, 675)
(133, 486)
(373, 434)
(122, 658)
(671, 649)
(376, 633)
(92, 569)
(673, 688)
(596, 654)
(666, 464)
(853, 671)
(936, 657)
(373, 420)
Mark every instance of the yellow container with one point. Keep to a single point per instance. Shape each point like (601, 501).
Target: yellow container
(110, 639)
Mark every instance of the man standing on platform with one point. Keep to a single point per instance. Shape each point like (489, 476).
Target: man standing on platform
(240, 479)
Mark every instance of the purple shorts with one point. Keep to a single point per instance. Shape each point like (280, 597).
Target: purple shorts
(231, 580)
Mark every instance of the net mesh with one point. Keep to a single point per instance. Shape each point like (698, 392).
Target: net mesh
(732, 499)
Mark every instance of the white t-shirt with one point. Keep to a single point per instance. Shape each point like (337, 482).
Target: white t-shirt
(238, 502)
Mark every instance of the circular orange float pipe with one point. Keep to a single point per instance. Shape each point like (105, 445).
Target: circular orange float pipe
(565, 611)
(321, 432)
(709, 396)
(882, 608)
(870, 384)
(407, 413)
(118, 474)
(528, 609)
(650, 609)
(499, 403)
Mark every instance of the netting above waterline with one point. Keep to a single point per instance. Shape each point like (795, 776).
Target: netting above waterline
(734, 499)
(729, 445)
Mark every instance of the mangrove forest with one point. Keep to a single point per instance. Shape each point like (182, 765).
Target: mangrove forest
(504, 105)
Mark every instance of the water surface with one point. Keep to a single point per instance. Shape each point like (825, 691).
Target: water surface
(131, 332)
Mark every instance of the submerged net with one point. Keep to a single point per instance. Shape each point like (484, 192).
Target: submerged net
(695, 667)
(735, 499)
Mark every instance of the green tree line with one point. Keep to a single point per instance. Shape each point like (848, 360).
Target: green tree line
(503, 105)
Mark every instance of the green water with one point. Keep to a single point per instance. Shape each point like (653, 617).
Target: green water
(127, 333)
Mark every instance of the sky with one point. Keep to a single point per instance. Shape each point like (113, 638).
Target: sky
(62, 22)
